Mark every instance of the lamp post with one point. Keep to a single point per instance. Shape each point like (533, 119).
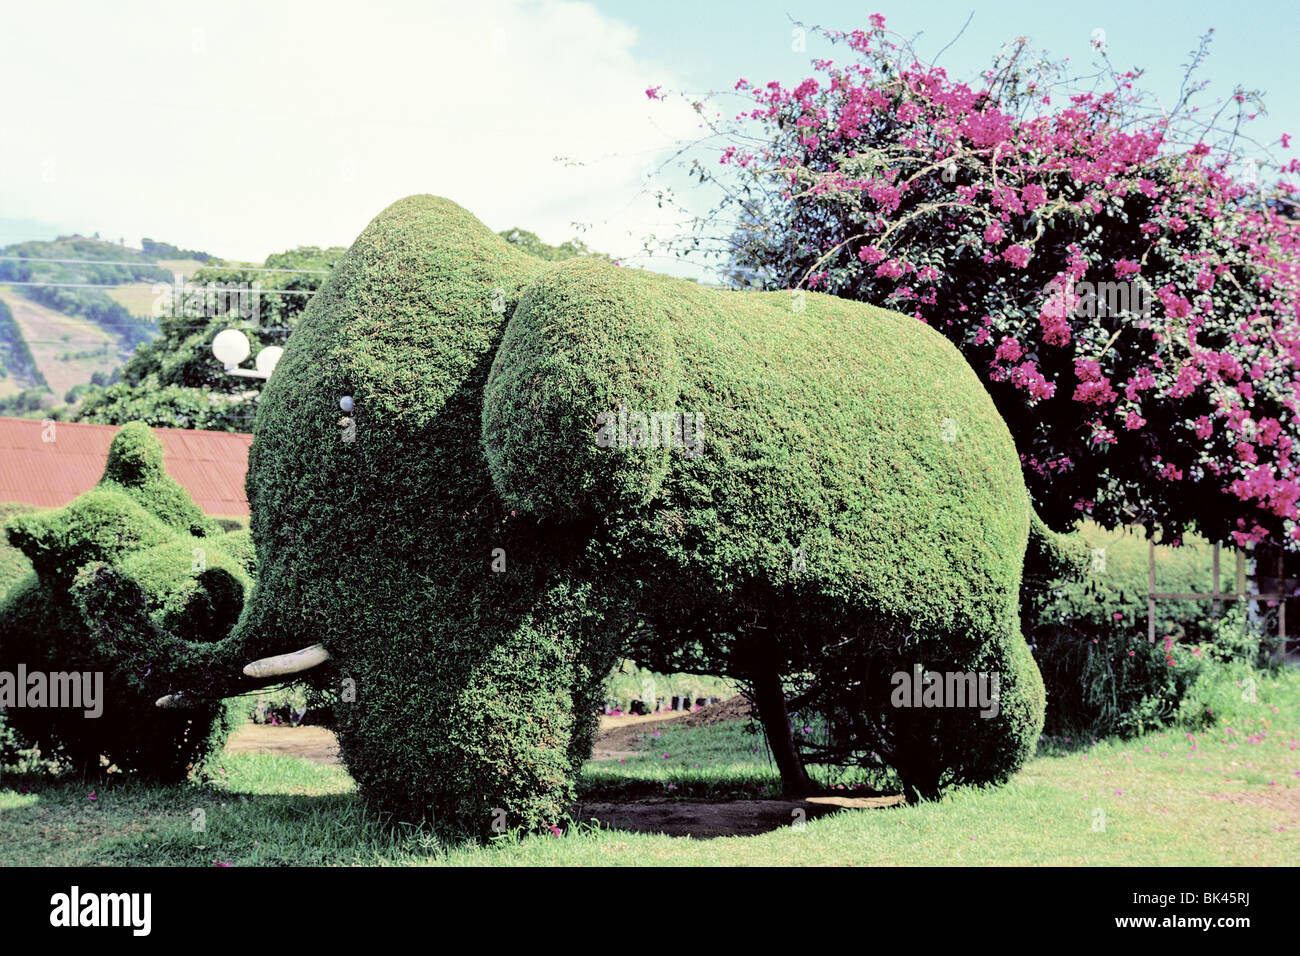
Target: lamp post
(231, 347)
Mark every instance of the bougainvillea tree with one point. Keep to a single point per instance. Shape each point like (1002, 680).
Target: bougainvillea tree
(1117, 274)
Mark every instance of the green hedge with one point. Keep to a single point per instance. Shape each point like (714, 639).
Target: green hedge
(14, 565)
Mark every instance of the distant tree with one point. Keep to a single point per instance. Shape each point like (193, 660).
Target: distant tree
(16, 357)
(531, 244)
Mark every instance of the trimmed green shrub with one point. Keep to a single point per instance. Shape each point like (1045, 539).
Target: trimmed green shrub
(1113, 585)
(856, 508)
(129, 581)
(627, 683)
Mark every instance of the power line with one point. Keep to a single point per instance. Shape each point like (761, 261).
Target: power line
(194, 290)
(155, 265)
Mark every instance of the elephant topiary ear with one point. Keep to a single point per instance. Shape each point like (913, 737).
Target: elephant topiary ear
(578, 410)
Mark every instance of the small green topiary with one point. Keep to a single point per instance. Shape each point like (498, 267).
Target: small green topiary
(132, 582)
(449, 493)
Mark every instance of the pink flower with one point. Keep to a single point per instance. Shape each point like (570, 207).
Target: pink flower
(1017, 255)
(1033, 196)
(555, 831)
(1027, 376)
(993, 233)
(1008, 350)
(652, 93)
(1095, 393)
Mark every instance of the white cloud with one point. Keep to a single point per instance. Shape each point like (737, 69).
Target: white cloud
(251, 127)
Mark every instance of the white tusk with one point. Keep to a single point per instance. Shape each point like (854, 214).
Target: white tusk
(173, 701)
(286, 664)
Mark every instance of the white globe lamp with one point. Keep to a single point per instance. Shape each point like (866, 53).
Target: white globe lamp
(230, 347)
(267, 359)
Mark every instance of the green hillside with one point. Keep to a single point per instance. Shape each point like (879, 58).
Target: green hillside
(59, 335)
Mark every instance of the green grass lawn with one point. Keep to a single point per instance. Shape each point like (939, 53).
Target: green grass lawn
(1229, 795)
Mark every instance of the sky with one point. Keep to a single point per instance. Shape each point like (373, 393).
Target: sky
(253, 127)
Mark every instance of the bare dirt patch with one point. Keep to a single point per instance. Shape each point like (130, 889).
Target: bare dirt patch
(52, 335)
(316, 744)
(705, 819)
(1284, 801)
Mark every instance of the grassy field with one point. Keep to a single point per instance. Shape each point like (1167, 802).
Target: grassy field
(1230, 795)
(68, 349)
(138, 298)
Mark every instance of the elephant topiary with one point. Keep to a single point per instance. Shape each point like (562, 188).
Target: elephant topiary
(134, 548)
(476, 476)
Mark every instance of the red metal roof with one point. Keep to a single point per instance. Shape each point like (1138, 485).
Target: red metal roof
(34, 471)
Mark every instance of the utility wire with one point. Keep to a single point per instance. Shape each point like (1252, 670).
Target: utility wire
(155, 265)
(195, 289)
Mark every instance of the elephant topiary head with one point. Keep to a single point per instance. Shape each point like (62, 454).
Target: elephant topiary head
(476, 476)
